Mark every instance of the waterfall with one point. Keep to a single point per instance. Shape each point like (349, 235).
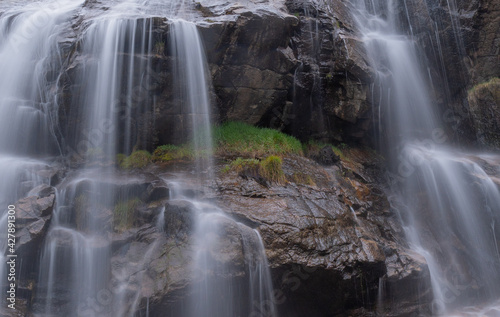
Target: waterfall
(221, 243)
(191, 72)
(115, 48)
(105, 56)
(75, 262)
(449, 203)
(28, 48)
(217, 293)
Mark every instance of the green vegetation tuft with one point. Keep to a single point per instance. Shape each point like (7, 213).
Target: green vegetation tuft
(241, 164)
(312, 149)
(243, 140)
(169, 152)
(490, 84)
(120, 158)
(124, 213)
(272, 169)
(137, 159)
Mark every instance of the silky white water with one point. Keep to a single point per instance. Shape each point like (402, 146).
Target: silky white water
(192, 86)
(111, 80)
(217, 292)
(77, 252)
(449, 205)
(28, 46)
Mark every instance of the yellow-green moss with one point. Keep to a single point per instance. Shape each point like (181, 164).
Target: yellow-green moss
(120, 158)
(95, 153)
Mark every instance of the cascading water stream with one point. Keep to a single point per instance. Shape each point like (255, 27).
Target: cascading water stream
(448, 203)
(217, 291)
(28, 47)
(217, 294)
(111, 76)
(77, 249)
(192, 86)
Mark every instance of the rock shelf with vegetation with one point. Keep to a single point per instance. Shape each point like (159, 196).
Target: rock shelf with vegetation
(328, 227)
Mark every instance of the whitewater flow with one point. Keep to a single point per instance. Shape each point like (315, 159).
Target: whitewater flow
(28, 46)
(111, 75)
(448, 203)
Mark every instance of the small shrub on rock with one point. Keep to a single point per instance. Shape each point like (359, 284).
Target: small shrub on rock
(272, 169)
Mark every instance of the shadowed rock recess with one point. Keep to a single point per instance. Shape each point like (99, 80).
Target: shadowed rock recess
(332, 237)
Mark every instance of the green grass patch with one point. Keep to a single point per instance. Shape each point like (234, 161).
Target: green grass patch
(243, 140)
(124, 213)
(138, 159)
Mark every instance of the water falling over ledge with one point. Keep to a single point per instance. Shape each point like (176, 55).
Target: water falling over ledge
(448, 202)
(106, 63)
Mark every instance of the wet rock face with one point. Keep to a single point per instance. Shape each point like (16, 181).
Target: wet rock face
(481, 21)
(297, 67)
(330, 243)
(326, 156)
(330, 238)
(179, 219)
(33, 218)
(329, 99)
(33, 215)
(251, 64)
